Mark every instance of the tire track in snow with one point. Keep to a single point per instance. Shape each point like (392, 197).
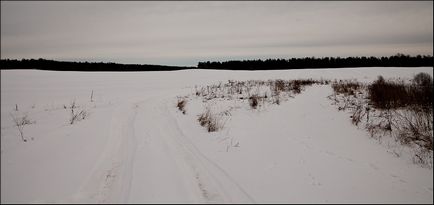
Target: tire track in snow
(169, 168)
(160, 172)
(210, 176)
(110, 179)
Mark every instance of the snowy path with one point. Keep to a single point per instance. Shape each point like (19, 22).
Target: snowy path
(172, 169)
(110, 179)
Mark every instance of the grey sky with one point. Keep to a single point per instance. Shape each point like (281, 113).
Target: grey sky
(183, 33)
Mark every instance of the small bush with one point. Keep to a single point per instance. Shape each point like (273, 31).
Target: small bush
(279, 85)
(423, 79)
(181, 105)
(346, 87)
(387, 94)
(421, 90)
(210, 121)
(296, 86)
(324, 82)
(253, 101)
(20, 122)
(394, 94)
(358, 113)
(77, 116)
(415, 126)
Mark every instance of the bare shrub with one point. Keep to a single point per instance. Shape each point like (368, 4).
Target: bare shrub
(423, 157)
(213, 125)
(210, 121)
(395, 109)
(76, 116)
(346, 87)
(415, 126)
(181, 105)
(358, 114)
(257, 92)
(423, 79)
(254, 101)
(379, 129)
(204, 118)
(397, 94)
(324, 81)
(296, 86)
(421, 90)
(20, 122)
(388, 94)
(306, 82)
(279, 85)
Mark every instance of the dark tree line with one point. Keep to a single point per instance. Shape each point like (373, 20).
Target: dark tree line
(398, 60)
(43, 64)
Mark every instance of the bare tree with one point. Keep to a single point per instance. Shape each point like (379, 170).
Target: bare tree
(76, 116)
(20, 122)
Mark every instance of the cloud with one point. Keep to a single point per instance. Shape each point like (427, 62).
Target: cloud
(162, 32)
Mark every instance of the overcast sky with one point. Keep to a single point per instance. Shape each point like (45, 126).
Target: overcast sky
(183, 33)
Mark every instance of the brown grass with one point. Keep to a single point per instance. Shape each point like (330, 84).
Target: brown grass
(254, 101)
(346, 87)
(209, 120)
(181, 105)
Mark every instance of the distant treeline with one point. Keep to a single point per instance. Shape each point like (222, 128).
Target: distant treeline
(43, 64)
(398, 60)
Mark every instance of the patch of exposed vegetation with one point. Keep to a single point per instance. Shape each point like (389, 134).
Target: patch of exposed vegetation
(392, 108)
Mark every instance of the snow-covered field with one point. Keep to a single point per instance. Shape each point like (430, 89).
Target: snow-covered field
(135, 146)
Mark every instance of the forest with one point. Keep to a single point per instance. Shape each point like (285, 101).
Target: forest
(43, 64)
(398, 60)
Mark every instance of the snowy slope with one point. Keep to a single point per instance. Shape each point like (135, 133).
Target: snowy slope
(136, 147)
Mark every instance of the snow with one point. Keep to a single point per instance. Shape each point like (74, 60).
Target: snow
(136, 147)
